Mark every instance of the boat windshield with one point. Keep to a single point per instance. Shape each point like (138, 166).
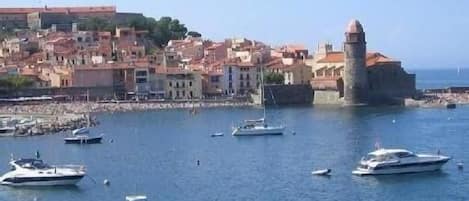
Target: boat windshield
(405, 154)
(376, 158)
(32, 164)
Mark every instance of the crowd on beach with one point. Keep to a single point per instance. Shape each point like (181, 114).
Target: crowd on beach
(95, 107)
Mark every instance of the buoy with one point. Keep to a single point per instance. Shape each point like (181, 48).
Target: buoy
(106, 182)
(393, 121)
(460, 165)
(198, 162)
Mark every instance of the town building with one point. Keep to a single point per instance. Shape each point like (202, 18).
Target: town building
(182, 84)
(239, 78)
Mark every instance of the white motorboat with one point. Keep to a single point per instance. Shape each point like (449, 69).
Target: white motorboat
(136, 198)
(7, 131)
(34, 172)
(323, 172)
(217, 134)
(396, 161)
(257, 127)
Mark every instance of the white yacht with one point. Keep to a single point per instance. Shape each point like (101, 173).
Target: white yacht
(34, 172)
(396, 161)
(259, 126)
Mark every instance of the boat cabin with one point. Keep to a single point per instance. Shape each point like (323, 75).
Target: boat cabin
(30, 164)
(388, 154)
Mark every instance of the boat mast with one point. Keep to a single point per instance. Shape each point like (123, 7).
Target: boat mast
(262, 91)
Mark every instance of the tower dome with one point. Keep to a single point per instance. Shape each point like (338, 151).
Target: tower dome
(354, 26)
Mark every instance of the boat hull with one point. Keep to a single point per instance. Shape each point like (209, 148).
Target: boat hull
(258, 132)
(42, 181)
(94, 140)
(402, 169)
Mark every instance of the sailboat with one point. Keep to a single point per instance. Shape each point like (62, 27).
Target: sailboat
(258, 126)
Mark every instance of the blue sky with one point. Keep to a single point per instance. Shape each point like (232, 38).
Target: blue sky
(421, 33)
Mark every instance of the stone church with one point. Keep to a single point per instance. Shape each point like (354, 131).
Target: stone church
(357, 77)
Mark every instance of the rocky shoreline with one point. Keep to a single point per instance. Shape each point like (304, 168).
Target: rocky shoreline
(95, 107)
(431, 100)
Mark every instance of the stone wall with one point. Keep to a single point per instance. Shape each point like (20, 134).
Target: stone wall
(324, 97)
(288, 94)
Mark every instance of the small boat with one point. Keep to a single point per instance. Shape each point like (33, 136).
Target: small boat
(34, 172)
(323, 172)
(450, 105)
(217, 134)
(397, 161)
(79, 131)
(136, 198)
(83, 139)
(7, 131)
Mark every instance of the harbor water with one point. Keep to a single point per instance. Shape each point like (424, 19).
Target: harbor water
(157, 153)
(169, 154)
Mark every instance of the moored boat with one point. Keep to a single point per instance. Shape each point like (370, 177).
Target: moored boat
(34, 172)
(396, 161)
(83, 139)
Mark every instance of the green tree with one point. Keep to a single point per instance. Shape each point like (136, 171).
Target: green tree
(194, 34)
(16, 82)
(159, 31)
(273, 78)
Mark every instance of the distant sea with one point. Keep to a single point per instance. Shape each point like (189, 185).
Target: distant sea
(441, 78)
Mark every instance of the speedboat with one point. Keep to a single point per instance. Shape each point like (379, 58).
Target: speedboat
(83, 139)
(136, 198)
(257, 127)
(7, 131)
(217, 134)
(396, 161)
(34, 172)
(79, 131)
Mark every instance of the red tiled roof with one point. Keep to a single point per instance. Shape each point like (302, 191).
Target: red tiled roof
(372, 58)
(333, 57)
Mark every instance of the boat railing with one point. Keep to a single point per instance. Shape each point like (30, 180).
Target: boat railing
(78, 168)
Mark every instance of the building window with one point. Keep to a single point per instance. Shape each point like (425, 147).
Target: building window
(230, 85)
(177, 94)
(177, 86)
(230, 77)
(170, 84)
(214, 79)
(190, 83)
(248, 84)
(230, 69)
(241, 77)
(183, 93)
(183, 84)
(247, 76)
(191, 94)
(241, 84)
(141, 80)
(170, 94)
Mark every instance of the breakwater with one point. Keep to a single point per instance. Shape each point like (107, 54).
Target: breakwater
(98, 107)
(21, 125)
